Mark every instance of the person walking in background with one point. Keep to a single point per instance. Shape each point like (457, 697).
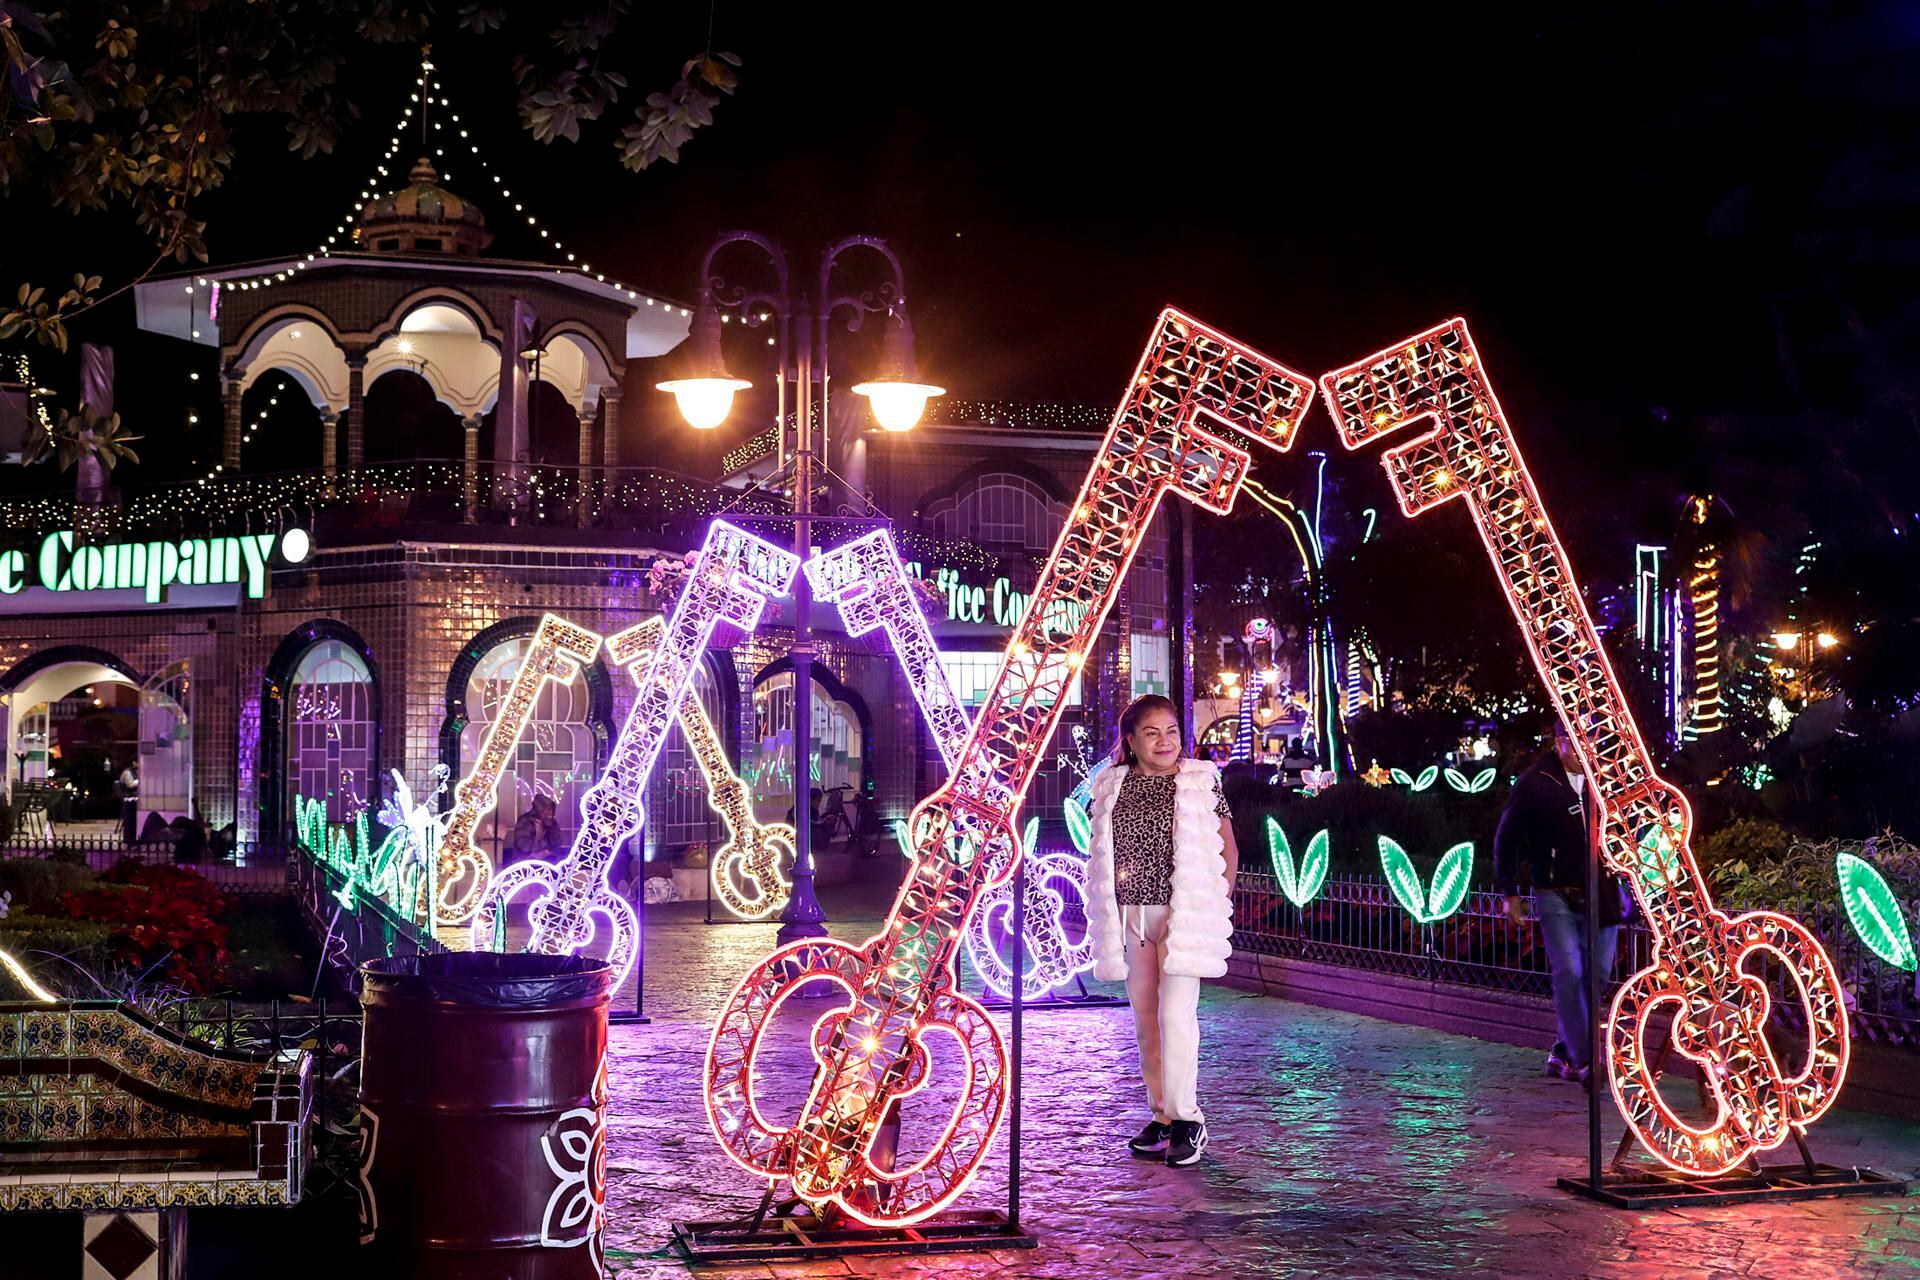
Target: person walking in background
(1160, 910)
(1546, 838)
(127, 787)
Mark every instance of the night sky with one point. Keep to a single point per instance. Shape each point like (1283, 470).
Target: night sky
(1685, 234)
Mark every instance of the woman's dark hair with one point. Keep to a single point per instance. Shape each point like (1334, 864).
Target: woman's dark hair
(1130, 720)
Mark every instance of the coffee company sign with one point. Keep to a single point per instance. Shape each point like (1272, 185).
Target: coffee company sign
(996, 603)
(63, 565)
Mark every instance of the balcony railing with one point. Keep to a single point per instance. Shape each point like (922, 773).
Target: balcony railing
(345, 506)
(384, 495)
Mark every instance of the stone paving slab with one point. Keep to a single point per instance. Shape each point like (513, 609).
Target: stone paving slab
(1342, 1146)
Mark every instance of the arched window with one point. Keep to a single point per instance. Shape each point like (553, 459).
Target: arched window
(677, 810)
(330, 751)
(1001, 510)
(554, 757)
(839, 744)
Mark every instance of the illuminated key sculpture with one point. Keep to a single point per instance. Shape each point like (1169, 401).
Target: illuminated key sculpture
(730, 580)
(749, 872)
(901, 982)
(1698, 970)
(867, 583)
(463, 869)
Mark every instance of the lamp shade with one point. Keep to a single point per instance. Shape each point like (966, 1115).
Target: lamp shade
(898, 396)
(705, 395)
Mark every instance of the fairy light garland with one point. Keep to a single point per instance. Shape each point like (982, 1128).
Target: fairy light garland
(431, 93)
(1034, 416)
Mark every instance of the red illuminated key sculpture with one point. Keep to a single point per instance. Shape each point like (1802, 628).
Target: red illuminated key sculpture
(902, 984)
(867, 583)
(1700, 955)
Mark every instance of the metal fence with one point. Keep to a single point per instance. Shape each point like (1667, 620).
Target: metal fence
(1356, 922)
(247, 870)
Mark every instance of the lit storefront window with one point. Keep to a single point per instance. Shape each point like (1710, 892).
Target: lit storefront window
(1152, 658)
(972, 671)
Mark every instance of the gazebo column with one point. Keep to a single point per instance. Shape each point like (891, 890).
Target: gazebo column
(329, 439)
(356, 409)
(230, 432)
(609, 450)
(589, 412)
(470, 467)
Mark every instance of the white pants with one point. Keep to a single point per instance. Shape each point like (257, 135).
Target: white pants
(1166, 1017)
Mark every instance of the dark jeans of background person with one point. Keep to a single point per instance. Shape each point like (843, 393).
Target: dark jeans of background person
(1564, 931)
(129, 819)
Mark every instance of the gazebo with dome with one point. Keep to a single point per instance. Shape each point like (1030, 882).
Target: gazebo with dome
(415, 297)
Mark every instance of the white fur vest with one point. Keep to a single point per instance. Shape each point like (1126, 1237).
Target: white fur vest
(1200, 921)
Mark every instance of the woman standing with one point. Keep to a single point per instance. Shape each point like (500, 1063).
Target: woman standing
(1159, 911)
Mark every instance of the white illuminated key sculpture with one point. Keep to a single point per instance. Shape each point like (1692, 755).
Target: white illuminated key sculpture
(1436, 380)
(463, 869)
(749, 871)
(730, 580)
(867, 583)
(901, 981)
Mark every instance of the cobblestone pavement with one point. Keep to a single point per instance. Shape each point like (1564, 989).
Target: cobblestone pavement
(1342, 1146)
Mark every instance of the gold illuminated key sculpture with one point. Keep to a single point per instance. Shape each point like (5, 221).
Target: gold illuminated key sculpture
(748, 873)
(557, 651)
(1192, 384)
(1436, 381)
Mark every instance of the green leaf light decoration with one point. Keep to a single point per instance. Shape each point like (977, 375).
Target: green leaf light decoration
(1428, 776)
(1876, 914)
(1079, 825)
(1659, 861)
(1401, 776)
(1459, 781)
(1030, 836)
(1428, 904)
(906, 841)
(1302, 884)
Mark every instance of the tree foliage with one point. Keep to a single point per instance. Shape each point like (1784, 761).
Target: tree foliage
(135, 105)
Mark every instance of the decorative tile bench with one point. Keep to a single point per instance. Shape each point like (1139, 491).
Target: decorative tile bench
(104, 1111)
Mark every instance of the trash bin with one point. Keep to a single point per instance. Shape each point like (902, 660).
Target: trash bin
(483, 1115)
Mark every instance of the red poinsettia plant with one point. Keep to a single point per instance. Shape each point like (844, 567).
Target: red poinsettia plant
(160, 916)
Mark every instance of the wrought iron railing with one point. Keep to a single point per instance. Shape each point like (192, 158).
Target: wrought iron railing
(244, 870)
(351, 925)
(1356, 922)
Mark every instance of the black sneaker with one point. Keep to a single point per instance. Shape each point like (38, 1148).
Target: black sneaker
(1152, 1140)
(1189, 1140)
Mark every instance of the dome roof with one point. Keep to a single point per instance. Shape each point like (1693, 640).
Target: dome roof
(423, 217)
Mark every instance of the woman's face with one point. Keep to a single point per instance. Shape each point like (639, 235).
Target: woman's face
(1155, 741)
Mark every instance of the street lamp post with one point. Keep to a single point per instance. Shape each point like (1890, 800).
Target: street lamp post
(705, 398)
